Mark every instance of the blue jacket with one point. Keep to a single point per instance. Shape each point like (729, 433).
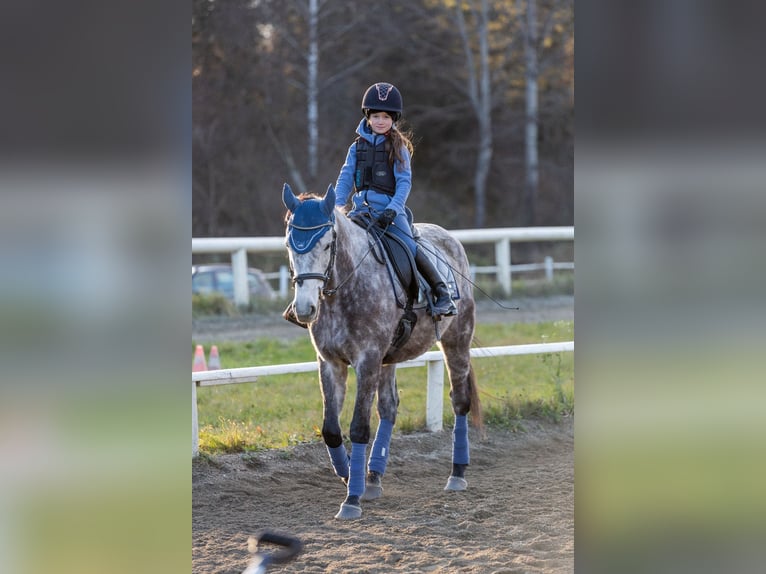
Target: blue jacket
(374, 202)
(379, 201)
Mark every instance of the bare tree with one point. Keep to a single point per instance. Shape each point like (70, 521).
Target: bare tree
(530, 144)
(312, 72)
(310, 29)
(276, 89)
(480, 96)
(283, 149)
(204, 185)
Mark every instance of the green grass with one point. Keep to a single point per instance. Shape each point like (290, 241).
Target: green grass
(204, 305)
(216, 305)
(279, 411)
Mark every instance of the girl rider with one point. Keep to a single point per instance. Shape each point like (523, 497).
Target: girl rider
(377, 171)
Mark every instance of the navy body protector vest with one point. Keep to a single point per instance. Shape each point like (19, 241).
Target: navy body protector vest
(372, 168)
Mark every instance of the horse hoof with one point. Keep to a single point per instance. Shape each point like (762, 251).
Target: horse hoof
(456, 483)
(349, 512)
(372, 488)
(372, 491)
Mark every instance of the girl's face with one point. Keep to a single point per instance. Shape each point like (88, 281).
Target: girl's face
(380, 122)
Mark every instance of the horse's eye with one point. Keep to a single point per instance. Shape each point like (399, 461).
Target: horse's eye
(327, 247)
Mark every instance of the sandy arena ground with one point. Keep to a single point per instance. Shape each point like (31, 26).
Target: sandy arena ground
(517, 515)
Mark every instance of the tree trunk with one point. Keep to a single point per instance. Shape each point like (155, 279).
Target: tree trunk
(480, 96)
(284, 150)
(312, 113)
(484, 158)
(531, 73)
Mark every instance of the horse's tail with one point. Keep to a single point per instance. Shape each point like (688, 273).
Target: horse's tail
(477, 418)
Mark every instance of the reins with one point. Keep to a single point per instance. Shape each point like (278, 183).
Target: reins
(325, 277)
(457, 272)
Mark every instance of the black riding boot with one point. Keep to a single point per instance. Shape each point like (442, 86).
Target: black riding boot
(443, 304)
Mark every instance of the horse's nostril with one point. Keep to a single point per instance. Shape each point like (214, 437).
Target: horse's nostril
(312, 310)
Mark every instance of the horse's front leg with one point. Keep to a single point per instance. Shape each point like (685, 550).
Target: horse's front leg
(333, 377)
(388, 403)
(367, 376)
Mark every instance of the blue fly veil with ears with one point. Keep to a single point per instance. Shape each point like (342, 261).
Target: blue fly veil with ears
(310, 220)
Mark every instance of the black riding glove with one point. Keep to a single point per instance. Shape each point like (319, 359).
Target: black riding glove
(386, 218)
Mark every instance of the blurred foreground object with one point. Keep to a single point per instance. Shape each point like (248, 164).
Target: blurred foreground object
(670, 314)
(93, 300)
(289, 548)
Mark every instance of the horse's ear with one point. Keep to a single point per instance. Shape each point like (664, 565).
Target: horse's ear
(328, 204)
(288, 198)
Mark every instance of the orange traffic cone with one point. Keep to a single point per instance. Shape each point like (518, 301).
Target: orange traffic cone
(199, 360)
(215, 361)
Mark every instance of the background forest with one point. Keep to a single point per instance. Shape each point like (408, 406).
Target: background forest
(488, 88)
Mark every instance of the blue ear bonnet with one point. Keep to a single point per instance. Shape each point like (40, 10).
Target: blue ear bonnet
(307, 225)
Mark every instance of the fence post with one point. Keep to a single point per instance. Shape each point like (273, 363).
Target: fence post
(435, 395)
(503, 262)
(284, 277)
(548, 268)
(239, 270)
(195, 423)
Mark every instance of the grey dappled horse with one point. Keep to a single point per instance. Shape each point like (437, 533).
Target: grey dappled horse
(345, 297)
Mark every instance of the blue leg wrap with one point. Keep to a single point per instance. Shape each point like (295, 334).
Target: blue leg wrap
(356, 477)
(460, 453)
(379, 452)
(339, 459)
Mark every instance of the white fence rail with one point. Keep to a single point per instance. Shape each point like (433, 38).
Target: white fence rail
(502, 237)
(433, 360)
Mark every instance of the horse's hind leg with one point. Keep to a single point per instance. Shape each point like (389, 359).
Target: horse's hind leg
(461, 456)
(388, 403)
(464, 395)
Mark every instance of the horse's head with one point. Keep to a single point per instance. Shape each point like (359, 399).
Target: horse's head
(310, 248)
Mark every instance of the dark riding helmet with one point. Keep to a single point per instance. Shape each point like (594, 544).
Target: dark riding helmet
(382, 97)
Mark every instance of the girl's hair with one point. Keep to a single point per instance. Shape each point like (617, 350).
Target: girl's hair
(396, 139)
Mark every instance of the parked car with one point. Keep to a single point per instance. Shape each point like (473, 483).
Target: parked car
(219, 278)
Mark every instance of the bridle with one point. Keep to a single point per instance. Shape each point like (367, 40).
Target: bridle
(323, 277)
